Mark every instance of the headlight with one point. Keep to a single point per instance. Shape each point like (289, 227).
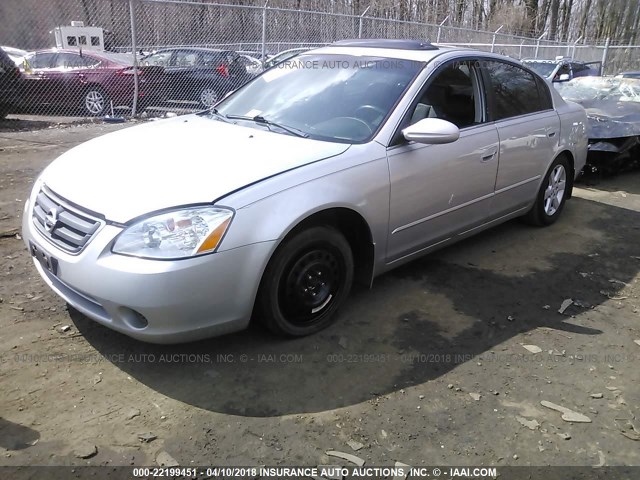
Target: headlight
(181, 233)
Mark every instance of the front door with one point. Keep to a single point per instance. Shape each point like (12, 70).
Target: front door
(438, 191)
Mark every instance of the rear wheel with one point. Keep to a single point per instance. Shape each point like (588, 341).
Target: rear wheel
(552, 195)
(209, 97)
(306, 281)
(95, 101)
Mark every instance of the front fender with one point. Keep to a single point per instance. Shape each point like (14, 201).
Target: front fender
(267, 215)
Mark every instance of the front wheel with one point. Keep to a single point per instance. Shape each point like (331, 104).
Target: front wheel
(552, 195)
(305, 282)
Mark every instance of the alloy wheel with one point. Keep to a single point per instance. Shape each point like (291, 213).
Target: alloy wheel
(555, 190)
(208, 97)
(94, 102)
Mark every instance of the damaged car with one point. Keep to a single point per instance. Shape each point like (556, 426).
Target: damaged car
(613, 112)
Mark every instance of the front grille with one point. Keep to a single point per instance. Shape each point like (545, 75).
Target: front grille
(65, 226)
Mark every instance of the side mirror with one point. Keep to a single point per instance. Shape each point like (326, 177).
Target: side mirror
(432, 131)
(563, 77)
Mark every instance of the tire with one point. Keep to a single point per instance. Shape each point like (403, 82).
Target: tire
(306, 281)
(552, 195)
(95, 101)
(208, 97)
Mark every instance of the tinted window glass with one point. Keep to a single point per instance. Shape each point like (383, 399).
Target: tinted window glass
(185, 58)
(82, 40)
(95, 41)
(515, 91)
(542, 68)
(161, 58)
(70, 60)
(41, 60)
(72, 41)
(211, 59)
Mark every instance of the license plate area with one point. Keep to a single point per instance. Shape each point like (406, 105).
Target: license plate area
(47, 261)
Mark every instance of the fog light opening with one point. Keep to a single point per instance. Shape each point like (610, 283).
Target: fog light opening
(133, 319)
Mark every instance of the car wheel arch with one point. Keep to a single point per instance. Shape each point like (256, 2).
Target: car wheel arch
(356, 231)
(572, 174)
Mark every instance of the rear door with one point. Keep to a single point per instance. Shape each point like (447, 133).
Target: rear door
(169, 82)
(67, 78)
(528, 127)
(213, 71)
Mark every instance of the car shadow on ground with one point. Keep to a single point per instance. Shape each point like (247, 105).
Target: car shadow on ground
(14, 436)
(417, 323)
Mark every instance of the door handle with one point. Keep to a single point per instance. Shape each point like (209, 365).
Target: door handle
(489, 156)
(551, 134)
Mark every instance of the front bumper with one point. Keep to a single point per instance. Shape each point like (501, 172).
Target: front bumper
(150, 300)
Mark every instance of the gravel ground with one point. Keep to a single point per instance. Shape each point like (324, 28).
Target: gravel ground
(436, 364)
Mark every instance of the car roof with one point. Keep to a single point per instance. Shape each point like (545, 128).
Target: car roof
(542, 60)
(418, 50)
(116, 58)
(194, 49)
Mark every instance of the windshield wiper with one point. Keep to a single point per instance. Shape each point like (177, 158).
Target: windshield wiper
(215, 112)
(269, 123)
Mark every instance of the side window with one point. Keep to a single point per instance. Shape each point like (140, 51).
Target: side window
(452, 95)
(40, 60)
(95, 41)
(211, 59)
(69, 61)
(185, 58)
(82, 40)
(161, 59)
(72, 41)
(515, 91)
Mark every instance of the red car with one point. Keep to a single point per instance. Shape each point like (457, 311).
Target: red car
(70, 81)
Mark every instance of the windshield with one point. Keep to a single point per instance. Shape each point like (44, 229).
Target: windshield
(327, 97)
(542, 68)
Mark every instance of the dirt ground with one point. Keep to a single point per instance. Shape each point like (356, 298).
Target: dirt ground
(432, 366)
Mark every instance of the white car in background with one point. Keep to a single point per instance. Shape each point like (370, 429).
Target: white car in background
(16, 54)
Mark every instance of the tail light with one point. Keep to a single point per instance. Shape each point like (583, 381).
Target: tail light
(223, 70)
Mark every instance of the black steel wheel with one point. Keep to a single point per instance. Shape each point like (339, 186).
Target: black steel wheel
(305, 282)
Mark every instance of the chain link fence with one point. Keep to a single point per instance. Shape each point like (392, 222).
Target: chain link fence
(189, 53)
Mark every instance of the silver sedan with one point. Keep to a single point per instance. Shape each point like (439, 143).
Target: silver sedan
(330, 168)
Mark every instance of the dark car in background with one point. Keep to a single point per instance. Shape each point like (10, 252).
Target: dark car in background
(200, 74)
(69, 81)
(629, 75)
(9, 77)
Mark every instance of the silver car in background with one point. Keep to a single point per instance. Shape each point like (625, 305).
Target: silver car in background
(330, 168)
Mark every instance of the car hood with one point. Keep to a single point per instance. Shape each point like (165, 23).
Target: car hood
(181, 161)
